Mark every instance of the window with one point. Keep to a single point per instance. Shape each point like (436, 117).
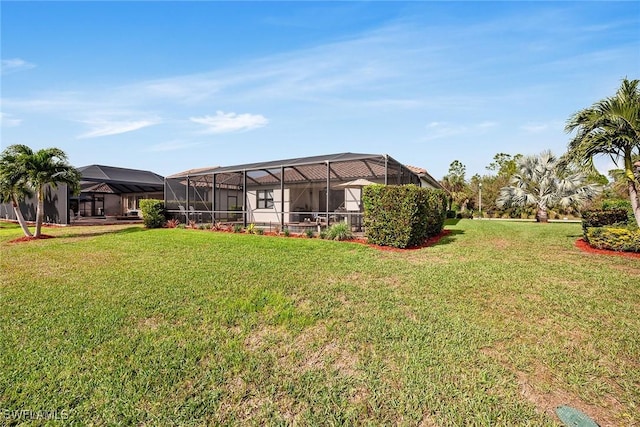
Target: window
(265, 199)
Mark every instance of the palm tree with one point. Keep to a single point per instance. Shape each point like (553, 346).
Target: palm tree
(13, 186)
(543, 182)
(47, 166)
(610, 127)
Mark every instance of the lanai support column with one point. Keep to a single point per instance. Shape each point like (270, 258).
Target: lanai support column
(386, 169)
(186, 208)
(328, 184)
(281, 197)
(213, 198)
(244, 198)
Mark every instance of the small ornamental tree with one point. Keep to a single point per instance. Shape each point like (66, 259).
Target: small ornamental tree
(153, 214)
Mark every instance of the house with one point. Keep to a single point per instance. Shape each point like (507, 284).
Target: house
(114, 191)
(105, 190)
(318, 189)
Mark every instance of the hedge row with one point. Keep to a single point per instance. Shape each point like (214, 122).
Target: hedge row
(402, 216)
(601, 218)
(616, 239)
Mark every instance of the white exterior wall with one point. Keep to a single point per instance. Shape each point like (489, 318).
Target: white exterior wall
(352, 198)
(268, 215)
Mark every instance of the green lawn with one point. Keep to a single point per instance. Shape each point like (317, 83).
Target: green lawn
(496, 325)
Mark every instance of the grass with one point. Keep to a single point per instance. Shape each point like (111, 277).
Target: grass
(496, 325)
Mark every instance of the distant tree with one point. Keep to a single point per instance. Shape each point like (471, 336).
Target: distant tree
(504, 164)
(48, 166)
(14, 187)
(542, 181)
(454, 181)
(610, 127)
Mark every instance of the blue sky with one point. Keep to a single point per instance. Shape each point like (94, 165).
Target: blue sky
(169, 86)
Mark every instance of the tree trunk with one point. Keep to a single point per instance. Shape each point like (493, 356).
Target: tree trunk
(39, 211)
(631, 184)
(633, 196)
(20, 217)
(542, 215)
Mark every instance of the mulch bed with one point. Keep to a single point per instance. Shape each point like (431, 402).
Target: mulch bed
(584, 246)
(429, 242)
(31, 238)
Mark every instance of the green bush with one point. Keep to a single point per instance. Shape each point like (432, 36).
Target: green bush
(623, 204)
(339, 231)
(616, 239)
(153, 213)
(402, 216)
(601, 218)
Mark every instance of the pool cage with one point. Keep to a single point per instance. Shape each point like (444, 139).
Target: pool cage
(297, 193)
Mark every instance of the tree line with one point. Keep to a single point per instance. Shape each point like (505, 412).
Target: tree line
(519, 186)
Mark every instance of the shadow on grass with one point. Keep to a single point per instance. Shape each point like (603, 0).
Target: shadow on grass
(449, 238)
(127, 230)
(451, 221)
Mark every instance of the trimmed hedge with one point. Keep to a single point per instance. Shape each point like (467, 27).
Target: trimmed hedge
(153, 214)
(601, 218)
(402, 216)
(615, 239)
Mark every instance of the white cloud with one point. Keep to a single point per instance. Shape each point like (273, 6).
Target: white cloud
(438, 130)
(536, 127)
(7, 120)
(105, 127)
(230, 122)
(172, 146)
(14, 65)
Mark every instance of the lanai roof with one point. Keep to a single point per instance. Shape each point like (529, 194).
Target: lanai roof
(110, 179)
(344, 166)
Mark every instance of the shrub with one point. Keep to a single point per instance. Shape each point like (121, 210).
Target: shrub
(464, 215)
(259, 231)
(402, 216)
(153, 214)
(616, 239)
(451, 214)
(339, 231)
(286, 232)
(624, 204)
(251, 229)
(601, 218)
(309, 233)
(237, 228)
(172, 223)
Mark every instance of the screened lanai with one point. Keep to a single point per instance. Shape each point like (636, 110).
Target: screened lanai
(315, 190)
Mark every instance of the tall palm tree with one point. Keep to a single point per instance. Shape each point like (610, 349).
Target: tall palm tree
(13, 186)
(610, 127)
(542, 181)
(48, 166)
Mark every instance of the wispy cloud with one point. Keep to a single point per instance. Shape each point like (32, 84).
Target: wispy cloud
(439, 130)
(172, 146)
(7, 120)
(537, 127)
(14, 65)
(104, 127)
(231, 122)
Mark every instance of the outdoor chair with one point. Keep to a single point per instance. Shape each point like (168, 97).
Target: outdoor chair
(184, 213)
(195, 214)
